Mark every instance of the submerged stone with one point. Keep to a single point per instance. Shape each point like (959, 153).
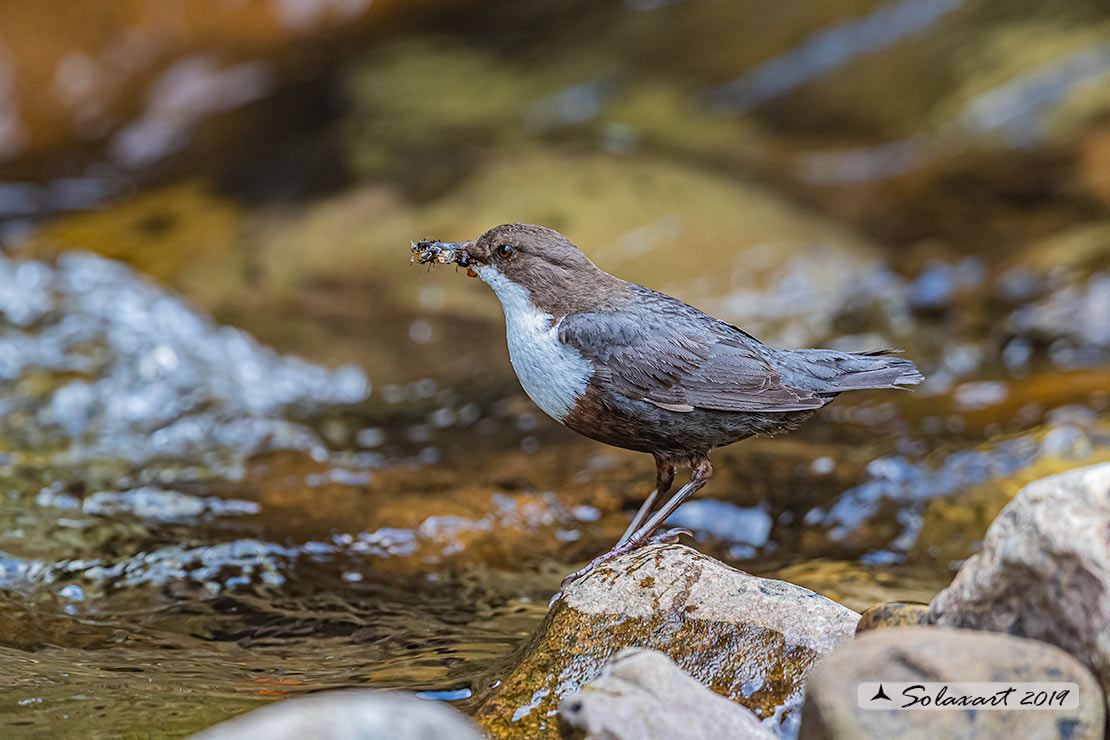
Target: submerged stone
(752, 640)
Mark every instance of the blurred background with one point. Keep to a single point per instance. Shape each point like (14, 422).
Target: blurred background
(247, 451)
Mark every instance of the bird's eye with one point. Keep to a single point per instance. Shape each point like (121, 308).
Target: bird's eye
(504, 251)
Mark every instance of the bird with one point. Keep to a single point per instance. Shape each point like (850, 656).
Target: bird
(635, 368)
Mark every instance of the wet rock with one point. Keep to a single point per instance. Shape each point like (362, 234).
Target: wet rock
(1044, 571)
(752, 640)
(894, 614)
(931, 654)
(642, 694)
(348, 715)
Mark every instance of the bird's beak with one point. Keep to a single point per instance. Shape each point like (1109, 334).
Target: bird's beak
(443, 253)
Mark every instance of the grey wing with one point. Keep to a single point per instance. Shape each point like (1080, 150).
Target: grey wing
(680, 365)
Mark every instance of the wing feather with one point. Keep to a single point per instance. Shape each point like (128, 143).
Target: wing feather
(674, 358)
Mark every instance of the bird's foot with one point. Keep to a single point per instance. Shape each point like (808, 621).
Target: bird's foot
(664, 537)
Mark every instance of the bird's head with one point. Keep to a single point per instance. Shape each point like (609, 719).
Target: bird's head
(540, 260)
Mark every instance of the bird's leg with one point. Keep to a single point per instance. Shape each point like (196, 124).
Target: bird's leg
(664, 477)
(701, 472)
(699, 476)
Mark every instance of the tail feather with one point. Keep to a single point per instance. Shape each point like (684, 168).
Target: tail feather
(891, 373)
(827, 371)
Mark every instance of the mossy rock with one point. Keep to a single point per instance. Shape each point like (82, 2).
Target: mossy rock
(750, 639)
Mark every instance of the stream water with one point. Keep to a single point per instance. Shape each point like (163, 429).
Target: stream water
(247, 451)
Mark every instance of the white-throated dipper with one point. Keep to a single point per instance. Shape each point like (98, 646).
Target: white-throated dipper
(625, 365)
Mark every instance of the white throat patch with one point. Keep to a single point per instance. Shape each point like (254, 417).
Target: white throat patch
(553, 375)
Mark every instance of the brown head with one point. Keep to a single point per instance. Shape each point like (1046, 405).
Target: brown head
(557, 276)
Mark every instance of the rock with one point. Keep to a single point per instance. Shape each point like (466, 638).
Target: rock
(752, 640)
(348, 715)
(1044, 571)
(894, 614)
(934, 654)
(641, 694)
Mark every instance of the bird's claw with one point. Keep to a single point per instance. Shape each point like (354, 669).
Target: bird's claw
(668, 536)
(665, 537)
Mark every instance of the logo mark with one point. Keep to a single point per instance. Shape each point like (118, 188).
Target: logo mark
(880, 694)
